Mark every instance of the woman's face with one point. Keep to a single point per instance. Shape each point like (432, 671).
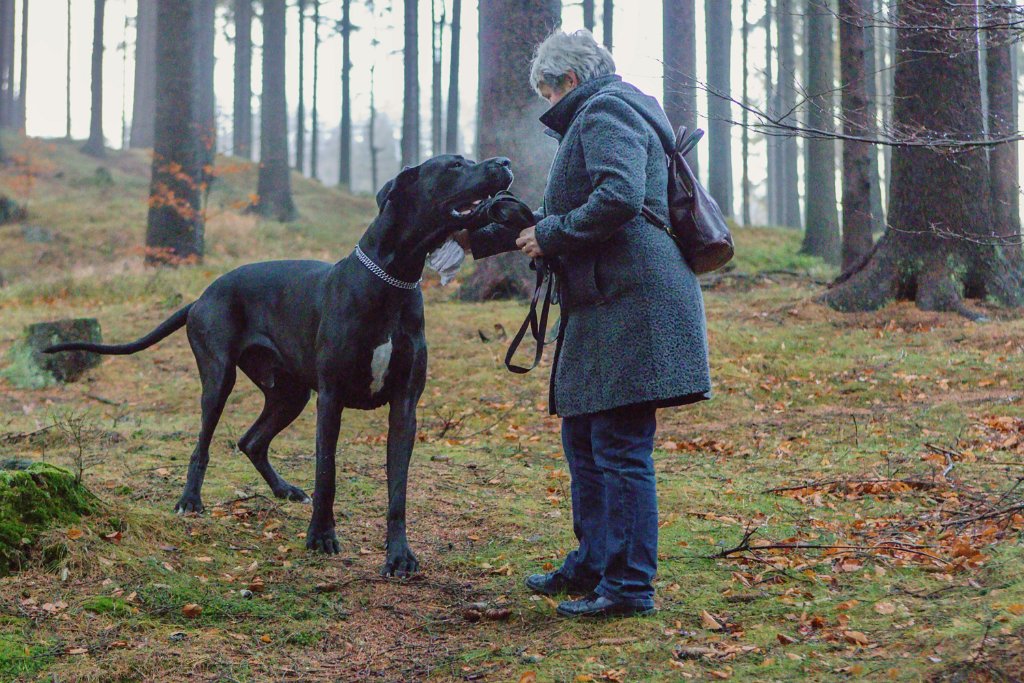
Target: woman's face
(553, 95)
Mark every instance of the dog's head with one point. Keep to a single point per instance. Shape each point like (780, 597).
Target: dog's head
(442, 195)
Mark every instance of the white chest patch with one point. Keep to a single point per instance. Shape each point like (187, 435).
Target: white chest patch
(379, 366)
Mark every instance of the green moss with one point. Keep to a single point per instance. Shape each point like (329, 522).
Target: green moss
(32, 500)
(23, 372)
(102, 604)
(18, 660)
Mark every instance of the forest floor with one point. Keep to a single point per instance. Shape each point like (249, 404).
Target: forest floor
(859, 478)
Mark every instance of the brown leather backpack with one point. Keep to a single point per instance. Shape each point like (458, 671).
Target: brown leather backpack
(697, 224)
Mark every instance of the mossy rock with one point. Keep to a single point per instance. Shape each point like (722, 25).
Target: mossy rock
(32, 499)
(29, 368)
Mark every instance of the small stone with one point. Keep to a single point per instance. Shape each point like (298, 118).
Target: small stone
(245, 593)
(441, 458)
(69, 365)
(34, 234)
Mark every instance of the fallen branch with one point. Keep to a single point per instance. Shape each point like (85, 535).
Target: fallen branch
(1017, 507)
(913, 483)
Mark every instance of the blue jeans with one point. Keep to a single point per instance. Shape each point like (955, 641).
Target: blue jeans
(614, 503)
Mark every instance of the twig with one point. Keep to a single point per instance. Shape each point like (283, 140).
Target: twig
(988, 515)
(107, 401)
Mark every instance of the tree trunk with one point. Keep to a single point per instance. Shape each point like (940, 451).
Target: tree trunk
(789, 151)
(143, 101)
(1002, 120)
(274, 188)
(680, 74)
(241, 127)
(411, 99)
(23, 78)
(206, 103)
(371, 133)
(821, 235)
(588, 15)
(345, 161)
(718, 15)
(871, 57)
(745, 181)
(854, 75)
(67, 83)
(7, 39)
(174, 231)
(771, 142)
(314, 142)
(94, 145)
(608, 20)
(510, 31)
(940, 246)
(452, 133)
(436, 52)
(300, 113)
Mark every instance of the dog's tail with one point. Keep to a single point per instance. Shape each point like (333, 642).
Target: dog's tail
(164, 329)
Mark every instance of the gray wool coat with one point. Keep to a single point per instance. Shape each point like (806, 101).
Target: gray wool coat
(631, 309)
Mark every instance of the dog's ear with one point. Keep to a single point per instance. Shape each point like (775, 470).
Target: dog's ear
(397, 185)
(384, 193)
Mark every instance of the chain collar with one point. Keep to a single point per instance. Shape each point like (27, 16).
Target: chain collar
(382, 274)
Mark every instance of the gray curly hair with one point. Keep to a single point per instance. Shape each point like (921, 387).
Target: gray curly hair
(563, 52)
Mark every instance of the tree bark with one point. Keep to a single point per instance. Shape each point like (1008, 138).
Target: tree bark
(23, 78)
(94, 146)
(608, 21)
(7, 39)
(788, 150)
(174, 230)
(941, 245)
(143, 100)
(411, 100)
(241, 127)
(718, 15)
(588, 15)
(679, 40)
(857, 214)
(314, 131)
(872, 69)
(206, 103)
(1002, 120)
(821, 235)
(300, 113)
(274, 187)
(452, 132)
(771, 142)
(436, 53)
(372, 132)
(745, 181)
(345, 160)
(509, 33)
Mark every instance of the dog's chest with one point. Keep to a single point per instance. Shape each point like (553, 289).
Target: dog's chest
(380, 363)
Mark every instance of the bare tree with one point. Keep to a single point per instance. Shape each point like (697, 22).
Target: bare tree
(206, 103)
(345, 160)
(436, 52)
(143, 100)
(679, 34)
(745, 181)
(452, 132)
(411, 100)
(853, 68)
(274, 188)
(314, 142)
(94, 145)
(7, 39)
(23, 78)
(174, 231)
(67, 83)
(1002, 118)
(300, 113)
(718, 14)
(588, 15)
(241, 128)
(821, 234)
(608, 21)
(786, 104)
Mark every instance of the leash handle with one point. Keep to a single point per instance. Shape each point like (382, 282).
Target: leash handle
(537, 327)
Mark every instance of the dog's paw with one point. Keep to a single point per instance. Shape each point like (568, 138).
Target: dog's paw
(323, 542)
(293, 493)
(189, 504)
(401, 563)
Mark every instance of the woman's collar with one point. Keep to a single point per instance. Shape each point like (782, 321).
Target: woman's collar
(561, 114)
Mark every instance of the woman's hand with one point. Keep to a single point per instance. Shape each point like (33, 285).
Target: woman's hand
(527, 242)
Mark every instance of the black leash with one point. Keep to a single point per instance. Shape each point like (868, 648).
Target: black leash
(537, 326)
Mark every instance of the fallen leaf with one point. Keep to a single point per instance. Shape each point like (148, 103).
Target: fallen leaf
(528, 677)
(885, 607)
(74, 534)
(710, 622)
(856, 638)
(192, 610)
(265, 638)
(784, 639)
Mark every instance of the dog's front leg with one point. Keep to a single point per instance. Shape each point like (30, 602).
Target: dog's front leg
(321, 536)
(400, 560)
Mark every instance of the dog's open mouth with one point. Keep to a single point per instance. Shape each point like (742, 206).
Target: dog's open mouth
(463, 210)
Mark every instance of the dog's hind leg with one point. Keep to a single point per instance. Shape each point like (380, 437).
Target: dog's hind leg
(280, 408)
(211, 346)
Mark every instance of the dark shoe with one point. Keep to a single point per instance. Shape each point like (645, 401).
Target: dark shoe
(554, 583)
(595, 605)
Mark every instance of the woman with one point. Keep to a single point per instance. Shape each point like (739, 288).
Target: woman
(633, 335)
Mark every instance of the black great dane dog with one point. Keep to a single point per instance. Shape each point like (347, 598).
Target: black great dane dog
(351, 331)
